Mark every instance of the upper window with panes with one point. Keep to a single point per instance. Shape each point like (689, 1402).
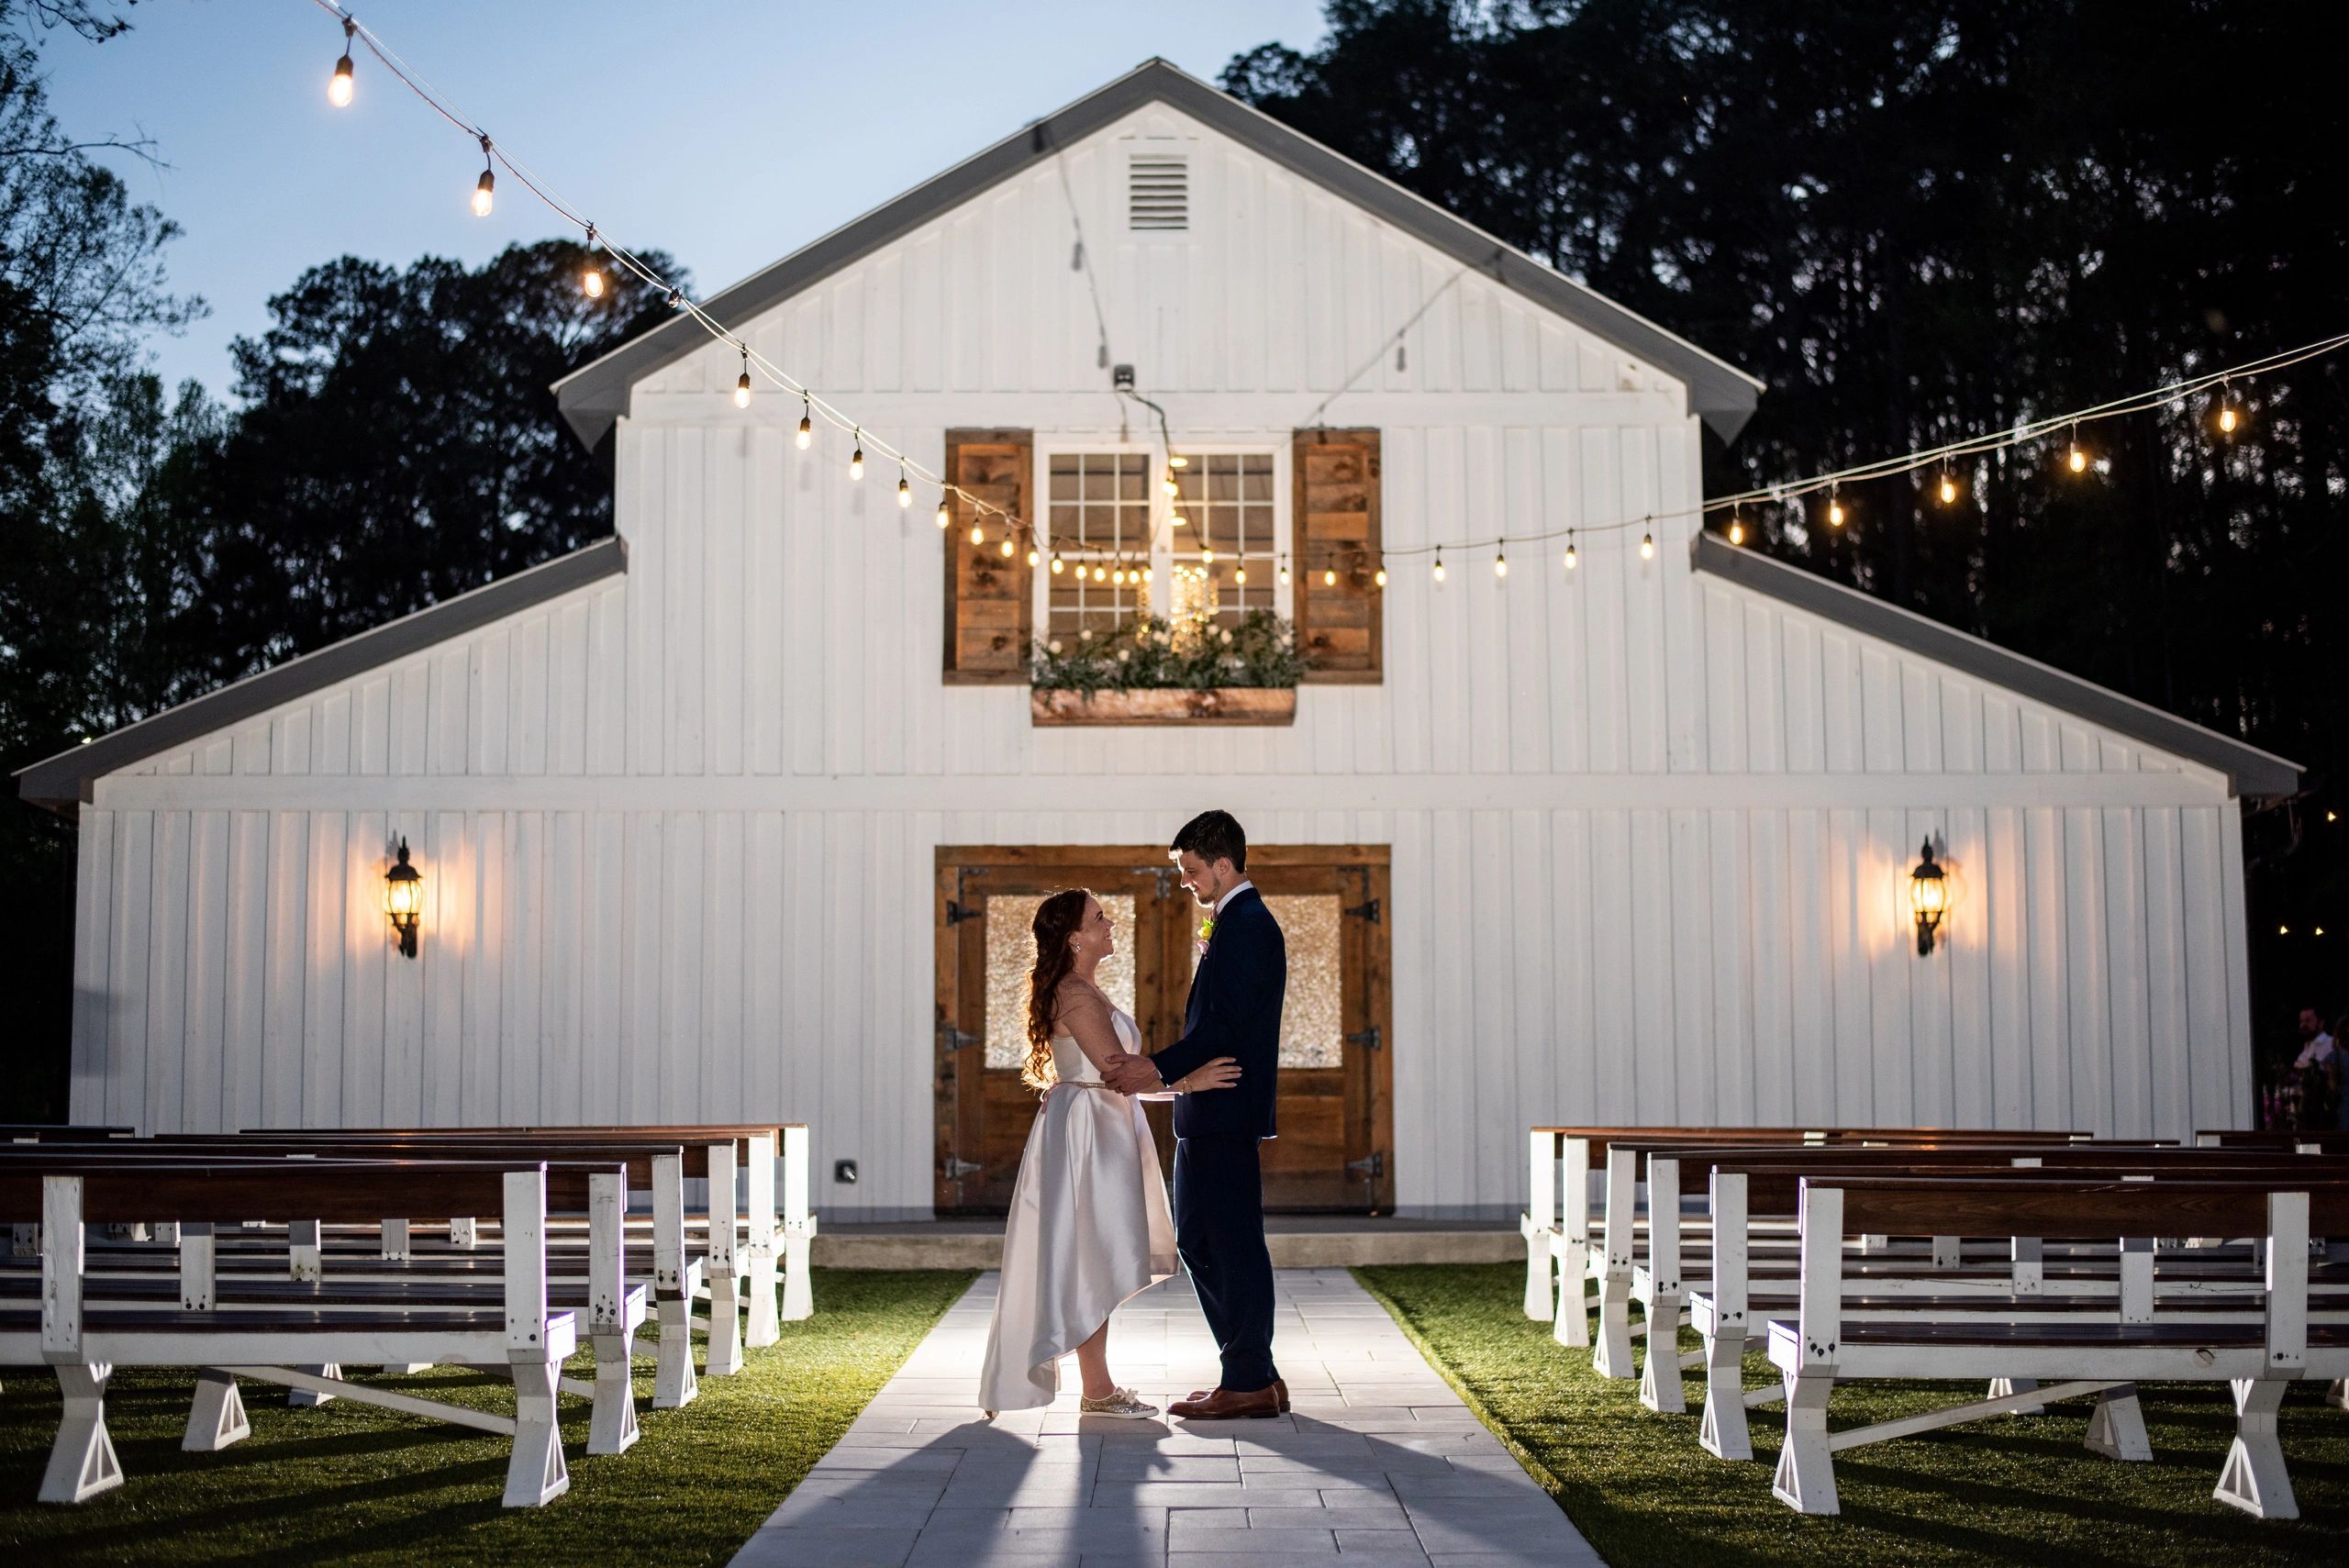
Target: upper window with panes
(1131, 533)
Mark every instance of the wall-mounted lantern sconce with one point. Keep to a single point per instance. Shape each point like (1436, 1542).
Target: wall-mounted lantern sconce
(404, 899)
(1929, 896)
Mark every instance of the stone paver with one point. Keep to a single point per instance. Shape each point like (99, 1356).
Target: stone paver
(1378, 1463)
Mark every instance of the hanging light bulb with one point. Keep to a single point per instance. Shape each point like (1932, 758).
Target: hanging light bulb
(1100, 574)
(1647, 547)
(2076, 460)
(487, 184)
(1117, 577)
(1180, 520)
(742, 385)
(856, 457)
(1736, 527)
(1169, 485)
(1240, 575)
(1007, 548)
(1284, 571)
(338, 85)
(942, 514)
(1500, 563)
(1834, 510)
(676, 297)
(1034, 556)
(1379, 576)
(807, 432)
(904, 491)
(2228, 418)
(1572, 560)
(1056, 563)
(1439, 563)
(1948, 489)
(978, 534)
(1178, 461)
(592, 280)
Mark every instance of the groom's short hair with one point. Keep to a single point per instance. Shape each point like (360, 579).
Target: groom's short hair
(1213, 836)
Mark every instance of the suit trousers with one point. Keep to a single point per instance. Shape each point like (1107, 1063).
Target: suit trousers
(1219, 1231)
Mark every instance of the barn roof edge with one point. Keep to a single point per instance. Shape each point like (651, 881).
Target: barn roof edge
(593, 396)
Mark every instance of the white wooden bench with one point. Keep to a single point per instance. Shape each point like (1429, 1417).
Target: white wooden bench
(2105, 1353)
(1740, 1296)
(83, 1340)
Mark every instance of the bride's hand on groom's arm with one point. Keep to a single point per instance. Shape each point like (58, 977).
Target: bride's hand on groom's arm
(1220, 1073)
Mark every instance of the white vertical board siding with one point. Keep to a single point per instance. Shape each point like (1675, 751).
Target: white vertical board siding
(1651, 832)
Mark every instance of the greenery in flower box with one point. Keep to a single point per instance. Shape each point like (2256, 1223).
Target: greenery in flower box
(1149, 654)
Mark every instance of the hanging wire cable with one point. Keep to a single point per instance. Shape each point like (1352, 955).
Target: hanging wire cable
(1972, 446)
(1082, 256)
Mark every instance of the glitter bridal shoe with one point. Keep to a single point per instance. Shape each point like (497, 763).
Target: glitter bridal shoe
(1121, 1403)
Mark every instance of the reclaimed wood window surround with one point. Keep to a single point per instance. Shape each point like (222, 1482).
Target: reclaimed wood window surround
(1081, 499)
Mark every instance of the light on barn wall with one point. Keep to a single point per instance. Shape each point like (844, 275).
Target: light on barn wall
(1929, 896)
(404, 899)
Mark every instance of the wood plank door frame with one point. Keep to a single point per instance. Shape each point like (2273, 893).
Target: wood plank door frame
(1358, 873)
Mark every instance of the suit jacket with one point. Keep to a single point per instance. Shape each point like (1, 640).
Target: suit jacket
(1234, 1010)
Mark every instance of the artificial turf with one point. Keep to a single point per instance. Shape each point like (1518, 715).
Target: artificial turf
(353, 1484)
(2011, 1489)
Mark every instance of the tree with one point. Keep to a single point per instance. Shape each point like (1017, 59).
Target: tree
(1920, 221)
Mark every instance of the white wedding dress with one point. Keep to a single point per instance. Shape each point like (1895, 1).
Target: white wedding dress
(1089, 1226)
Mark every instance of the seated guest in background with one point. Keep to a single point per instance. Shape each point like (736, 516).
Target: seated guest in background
(2318, 1068)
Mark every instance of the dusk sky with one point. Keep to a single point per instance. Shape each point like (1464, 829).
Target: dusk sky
(728, 133)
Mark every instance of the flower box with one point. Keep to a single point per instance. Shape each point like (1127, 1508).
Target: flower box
(1170, 704)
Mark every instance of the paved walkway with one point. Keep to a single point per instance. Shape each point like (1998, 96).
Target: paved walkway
(1379, 1463)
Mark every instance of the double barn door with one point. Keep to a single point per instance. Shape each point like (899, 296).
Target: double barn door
(1334, 1152)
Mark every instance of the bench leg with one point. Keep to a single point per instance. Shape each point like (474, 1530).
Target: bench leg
(217, 1419)
(1571, 1329)
(2254, 1479)
(2116, 1425)
(81, 1460)
(1721, 1432)
(1612, 1356)
(1660, 1387)
(2338, 1395)
(798, 1295)
(1539, 1303)
(535, 1474)
(673, 1383)
(725, 1356)
(2002, 1386)
(309, 1398)
(766, 1326)
(1806, 1478)
(611, 1426)
(464, 1233)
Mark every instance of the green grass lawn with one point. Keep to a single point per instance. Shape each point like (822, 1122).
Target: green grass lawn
(352, 1483)
(2017, 1488)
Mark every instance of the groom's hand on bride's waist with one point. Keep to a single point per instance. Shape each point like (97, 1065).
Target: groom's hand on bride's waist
(1131, 1075)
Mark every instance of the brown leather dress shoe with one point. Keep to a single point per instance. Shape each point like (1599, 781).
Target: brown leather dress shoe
(1280, 1388)
(1223, 1405)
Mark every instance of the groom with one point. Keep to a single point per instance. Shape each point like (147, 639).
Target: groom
(1235, 1011)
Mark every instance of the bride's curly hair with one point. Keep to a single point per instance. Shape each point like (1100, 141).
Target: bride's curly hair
(1057, 919)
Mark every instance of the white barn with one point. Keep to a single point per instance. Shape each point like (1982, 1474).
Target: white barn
(733, 815)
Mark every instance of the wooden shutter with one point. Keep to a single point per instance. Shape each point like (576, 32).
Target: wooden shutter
(989, 604)
(1334, 525)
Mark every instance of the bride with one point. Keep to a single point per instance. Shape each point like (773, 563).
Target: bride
(1089, 1222)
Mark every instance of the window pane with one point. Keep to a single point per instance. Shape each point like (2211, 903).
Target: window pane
(1312, 1014)
(1011, 954)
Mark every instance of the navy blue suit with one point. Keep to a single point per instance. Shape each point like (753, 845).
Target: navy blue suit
(1234, 1010)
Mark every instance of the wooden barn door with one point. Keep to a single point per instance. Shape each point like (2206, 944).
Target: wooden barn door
(1336, 1119)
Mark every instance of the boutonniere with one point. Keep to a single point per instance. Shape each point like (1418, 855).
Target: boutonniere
(1206, 934)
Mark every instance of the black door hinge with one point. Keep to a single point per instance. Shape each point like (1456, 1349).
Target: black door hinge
(1369, 1039)
(1365, 912)
(957, 912)
(1372, 1169)
(952, 1038)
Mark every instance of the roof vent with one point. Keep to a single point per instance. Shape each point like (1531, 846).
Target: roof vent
(1158, 191)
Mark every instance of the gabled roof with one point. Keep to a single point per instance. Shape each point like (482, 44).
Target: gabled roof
(62, 782)
(2252, 773)
(596, 393)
